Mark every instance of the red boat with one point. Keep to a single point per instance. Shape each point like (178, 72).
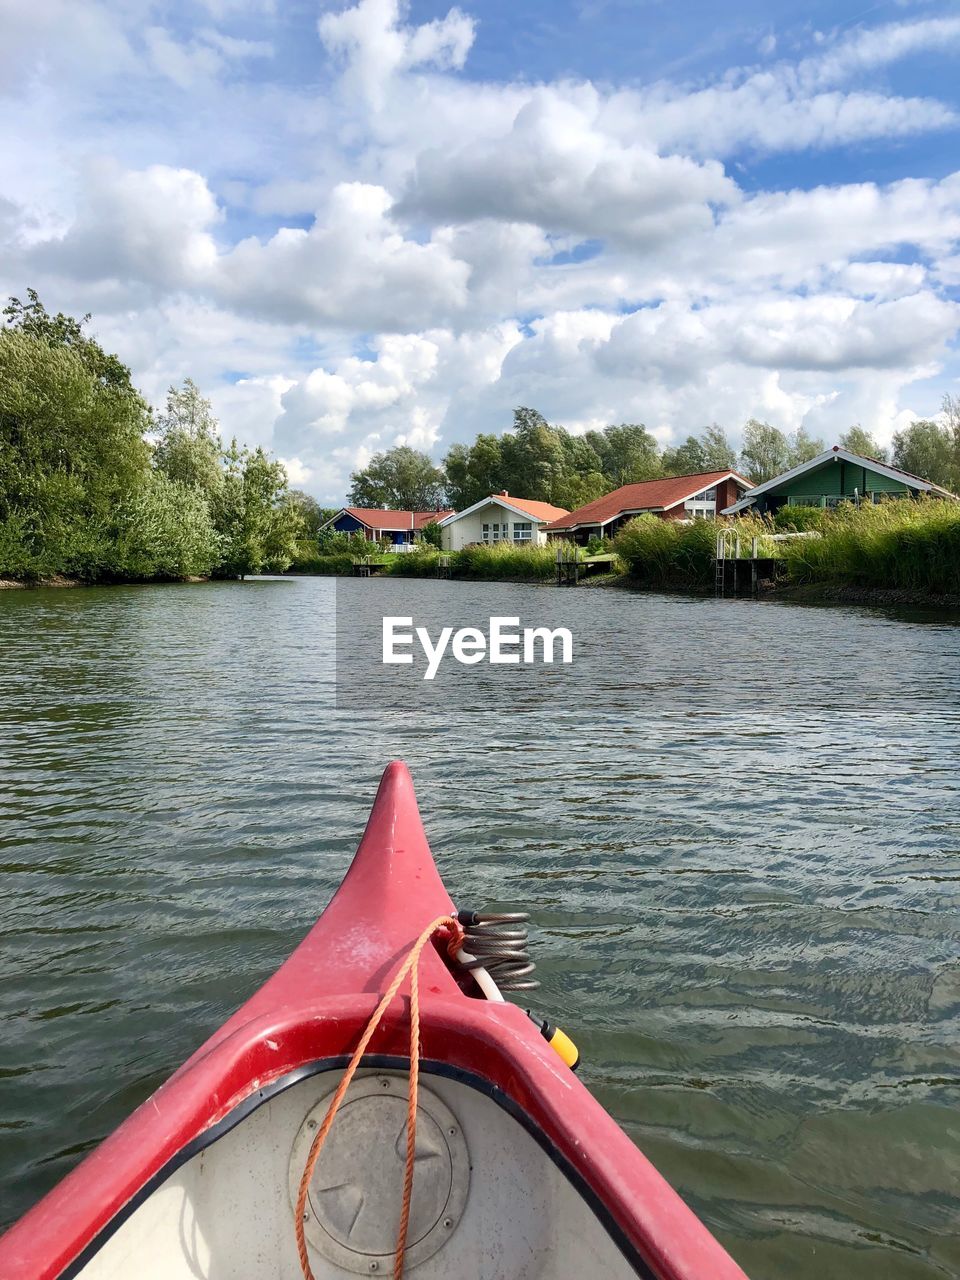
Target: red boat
(517, 1172)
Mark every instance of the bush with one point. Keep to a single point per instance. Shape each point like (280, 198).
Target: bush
(506, 560)
(323, 564)
(598, 546)
(907, 545)
(666, 553)
(421, 563)
(800, 519)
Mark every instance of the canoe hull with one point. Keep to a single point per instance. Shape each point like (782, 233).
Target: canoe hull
(306, 1020)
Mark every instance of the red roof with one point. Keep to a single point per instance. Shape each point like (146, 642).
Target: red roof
(390, 521)
(539, 510)
(649, 495)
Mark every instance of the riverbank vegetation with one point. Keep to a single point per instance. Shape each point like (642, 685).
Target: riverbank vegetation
(96, 486)
(899, 545)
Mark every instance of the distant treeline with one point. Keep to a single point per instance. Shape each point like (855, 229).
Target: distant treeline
(548, 463)
(94, 485)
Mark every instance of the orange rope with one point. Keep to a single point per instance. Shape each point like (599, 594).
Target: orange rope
(411, 966)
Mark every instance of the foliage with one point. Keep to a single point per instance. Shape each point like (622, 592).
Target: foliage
(668, 553)
(859, 441)
(421, 563)
(71, 452)
(337, 564)
(800, 519)
(803, 447)
(32, 319)
(83, 494)
(402, 479)
(189, 449)
(928, 449)
(598, 546)
(506, 560)
(330, 543)
(432, 534)
(710, 451)
(911, 545)
(765, 452)
(164, 530)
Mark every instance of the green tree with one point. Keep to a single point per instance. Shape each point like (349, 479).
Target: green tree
(401, 479)
(432, 534)
(260, 527)
(857, 440)
(71, 452)
(718, 455)
(685, 459)
(164, 530)
(627, 454)
(925, 449)
(189, 448)
(765, 452)
(473, 471)
(33, 319)
(804, 447)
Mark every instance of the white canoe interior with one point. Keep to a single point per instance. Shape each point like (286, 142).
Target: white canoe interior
(488, 1200)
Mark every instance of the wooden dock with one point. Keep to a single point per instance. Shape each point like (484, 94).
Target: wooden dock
(572, 565)
(742, 567)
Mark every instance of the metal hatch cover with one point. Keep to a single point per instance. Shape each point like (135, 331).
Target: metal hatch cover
(353, 1202)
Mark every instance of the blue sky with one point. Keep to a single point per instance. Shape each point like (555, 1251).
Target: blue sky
(364, 224)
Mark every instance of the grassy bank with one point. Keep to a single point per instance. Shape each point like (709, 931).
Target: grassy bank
(900, 546)
(501, 561)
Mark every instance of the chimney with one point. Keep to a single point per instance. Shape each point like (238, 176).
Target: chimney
(503, 494)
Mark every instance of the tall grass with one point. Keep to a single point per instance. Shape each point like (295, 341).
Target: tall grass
(506, 560)
(906, 545)
(903, 545)
(664, 553)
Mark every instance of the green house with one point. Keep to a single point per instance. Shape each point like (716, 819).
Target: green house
(831, 478)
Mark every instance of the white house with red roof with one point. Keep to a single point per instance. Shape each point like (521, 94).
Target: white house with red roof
(499, 518)
(402, 528)
(689, 497)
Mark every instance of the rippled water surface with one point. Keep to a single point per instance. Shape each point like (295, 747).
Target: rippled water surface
(738, 830)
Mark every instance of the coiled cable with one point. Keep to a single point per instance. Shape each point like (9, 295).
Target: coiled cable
(497, 943)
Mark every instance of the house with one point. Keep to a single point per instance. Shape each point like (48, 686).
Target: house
(402, 528)
(676, 498)
(831, 478)
(499, 518)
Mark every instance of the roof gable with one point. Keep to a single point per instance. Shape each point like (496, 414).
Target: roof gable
(528, 508)
(843, 455)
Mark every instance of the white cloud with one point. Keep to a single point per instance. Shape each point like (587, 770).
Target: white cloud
(375, 47)
(575, 246)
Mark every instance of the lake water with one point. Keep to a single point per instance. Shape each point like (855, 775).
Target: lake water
(737, 828)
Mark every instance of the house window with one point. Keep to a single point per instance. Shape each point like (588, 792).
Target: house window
(496, 531)
(522, 530)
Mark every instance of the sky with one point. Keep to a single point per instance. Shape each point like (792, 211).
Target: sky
(356, 226)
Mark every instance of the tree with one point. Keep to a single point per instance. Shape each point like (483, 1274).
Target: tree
(432, 534)
(627, 453)
(925, 449)
(189, 449)
(685, 459)
(804, 447)
(857, 440)
(33, 319)
(473, 471)
(71, 453)
(402, 479)
(311, 512)
(259, 526)
(765, 452)
(718, 454)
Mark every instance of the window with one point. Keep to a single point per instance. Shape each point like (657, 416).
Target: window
(496, 531)
(522, 530)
